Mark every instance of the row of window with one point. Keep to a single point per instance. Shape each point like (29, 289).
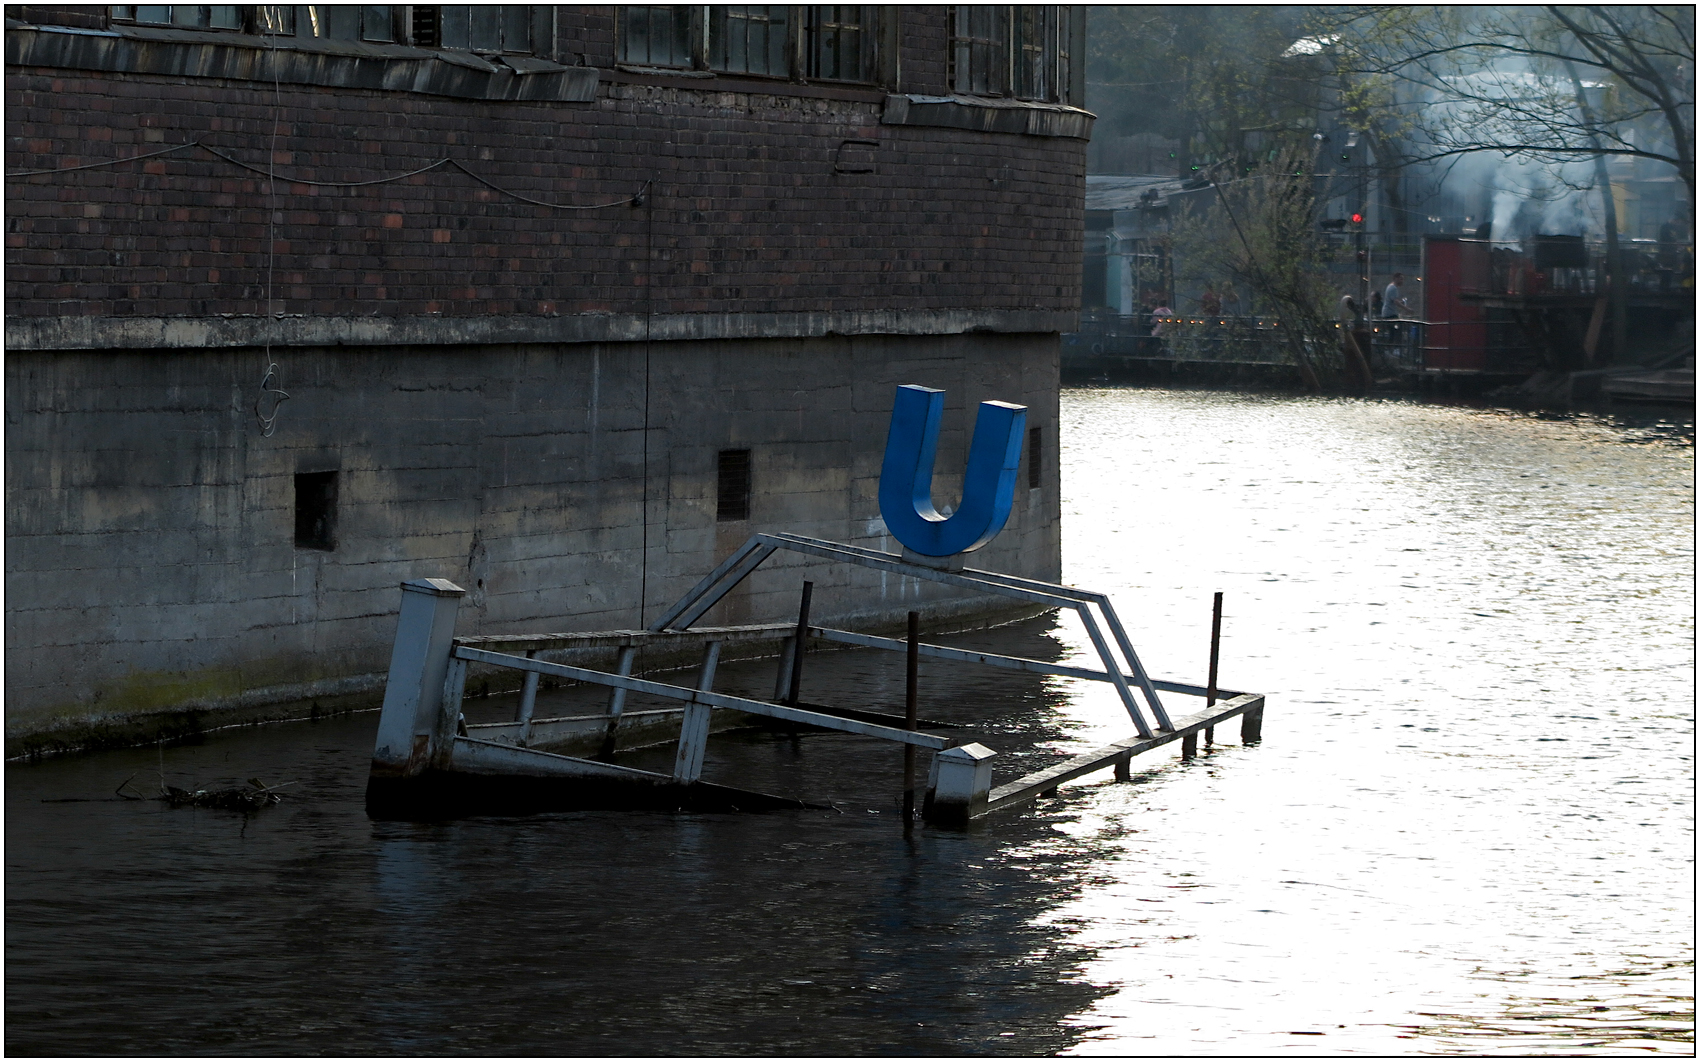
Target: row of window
(1020, 51)
(491, 28)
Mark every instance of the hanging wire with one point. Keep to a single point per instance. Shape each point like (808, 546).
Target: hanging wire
(272, 175)
(111, 162)
(269, 424)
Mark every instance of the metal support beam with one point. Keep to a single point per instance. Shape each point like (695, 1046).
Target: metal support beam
(1118, 754)
(693, 730)
(716, 700)
(616, 699)
(527, 702)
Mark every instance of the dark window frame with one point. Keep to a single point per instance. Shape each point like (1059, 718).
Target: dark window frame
(735, 487)
(803, 54)
(316, 503)
(1015, 51)
(205, 18)
(418, 26)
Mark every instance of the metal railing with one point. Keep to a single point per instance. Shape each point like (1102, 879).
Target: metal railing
(1239, 339)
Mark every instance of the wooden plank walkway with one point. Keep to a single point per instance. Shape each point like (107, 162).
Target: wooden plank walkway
(1248, 706)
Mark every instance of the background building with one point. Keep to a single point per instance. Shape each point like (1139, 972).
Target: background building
(561, 303)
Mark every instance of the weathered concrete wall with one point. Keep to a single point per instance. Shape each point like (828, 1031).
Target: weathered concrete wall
(151, 566)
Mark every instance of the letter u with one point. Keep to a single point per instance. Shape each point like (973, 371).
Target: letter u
(988, 486)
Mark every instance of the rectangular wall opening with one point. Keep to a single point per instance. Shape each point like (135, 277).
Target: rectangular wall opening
(1035, 457)
(315, 510)
(734, 501)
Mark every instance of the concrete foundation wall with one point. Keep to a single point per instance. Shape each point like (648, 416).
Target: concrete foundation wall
(153, 581)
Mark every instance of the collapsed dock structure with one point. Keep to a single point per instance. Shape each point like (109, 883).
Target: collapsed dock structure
(562, 303)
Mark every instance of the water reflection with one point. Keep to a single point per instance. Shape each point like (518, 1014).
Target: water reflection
(1467, 827)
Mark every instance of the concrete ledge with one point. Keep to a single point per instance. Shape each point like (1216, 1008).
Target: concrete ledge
(989, 115)
(338, 64)
(196, 333)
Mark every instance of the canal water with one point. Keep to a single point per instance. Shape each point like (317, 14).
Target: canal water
(1467, 829)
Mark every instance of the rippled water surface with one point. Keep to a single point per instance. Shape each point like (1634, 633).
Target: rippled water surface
(1467, 829)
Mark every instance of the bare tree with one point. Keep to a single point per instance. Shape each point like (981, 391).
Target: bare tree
(1473, 79)
(1260, 233)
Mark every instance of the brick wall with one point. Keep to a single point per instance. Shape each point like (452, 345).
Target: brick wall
(747, 211)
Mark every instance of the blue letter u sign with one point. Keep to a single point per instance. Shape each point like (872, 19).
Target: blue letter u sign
(906, 478)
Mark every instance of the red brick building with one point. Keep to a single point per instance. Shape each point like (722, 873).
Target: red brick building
(525, 275)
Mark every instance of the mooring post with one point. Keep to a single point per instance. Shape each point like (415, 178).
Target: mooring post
(962, 781)
(802, 638)
(1215, 651)
(911, 695)
(1251, 725)
(1124, 769)
(693, 730)
(410, 725)
(617, 701)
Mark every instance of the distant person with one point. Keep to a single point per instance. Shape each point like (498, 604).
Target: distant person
(1375, 304)
(1210, 302)
(1393, 304)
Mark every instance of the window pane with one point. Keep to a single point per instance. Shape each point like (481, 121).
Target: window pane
(655, 36)
(979, 53)
(227, 17)
(275, 19)
(748, 38)
(188, 15)
(486, 29)
(837, 41)
(376, 24)
(157, 16)
(128, 12)
(1035, 36)
(457, 26)
(516, 28)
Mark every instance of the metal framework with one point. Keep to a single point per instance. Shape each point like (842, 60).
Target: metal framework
(736, 568)
(423, 741)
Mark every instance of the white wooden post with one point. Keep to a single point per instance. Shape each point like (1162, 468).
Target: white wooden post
(408, 727)
(962, 778)
(693, 731)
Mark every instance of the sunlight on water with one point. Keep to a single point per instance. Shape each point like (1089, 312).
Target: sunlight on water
(1467, 829)
(1474, 631)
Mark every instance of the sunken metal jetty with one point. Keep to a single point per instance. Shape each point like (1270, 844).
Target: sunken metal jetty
(428, 762)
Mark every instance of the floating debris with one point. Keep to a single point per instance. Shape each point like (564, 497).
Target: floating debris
(255, 795)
